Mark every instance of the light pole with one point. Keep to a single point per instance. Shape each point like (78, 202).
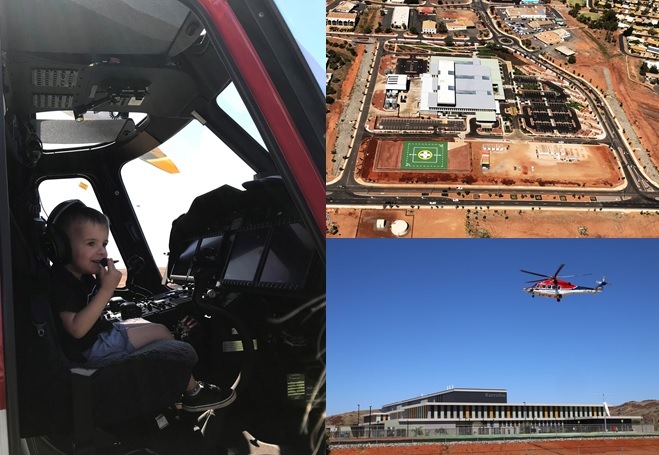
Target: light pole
(358, 420)
(370, 421)
(604, 403)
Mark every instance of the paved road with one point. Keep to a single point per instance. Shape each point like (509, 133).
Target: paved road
(346, 125)
(627, 127)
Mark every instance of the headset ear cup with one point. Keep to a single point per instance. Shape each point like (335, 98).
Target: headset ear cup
(57, 243)
(57, 246)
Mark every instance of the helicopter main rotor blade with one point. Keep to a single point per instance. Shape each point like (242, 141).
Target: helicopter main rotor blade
(571, 276)
(536, 274)
(558, 271)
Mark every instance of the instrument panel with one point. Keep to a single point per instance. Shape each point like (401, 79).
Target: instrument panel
(119, 309)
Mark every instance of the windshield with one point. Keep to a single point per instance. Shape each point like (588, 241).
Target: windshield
(159, 197)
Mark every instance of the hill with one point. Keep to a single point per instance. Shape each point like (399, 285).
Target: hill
(648, 409)
(347, 418)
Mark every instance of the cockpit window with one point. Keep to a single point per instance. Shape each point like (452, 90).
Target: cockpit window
(163, 182)
(231, 103)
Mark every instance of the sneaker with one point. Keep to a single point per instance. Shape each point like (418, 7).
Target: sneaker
(209, 397)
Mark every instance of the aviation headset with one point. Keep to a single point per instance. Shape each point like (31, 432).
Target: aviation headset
(58, 247)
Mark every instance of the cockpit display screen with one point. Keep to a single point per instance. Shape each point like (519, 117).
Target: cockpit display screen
(289, 255)
(246, 255)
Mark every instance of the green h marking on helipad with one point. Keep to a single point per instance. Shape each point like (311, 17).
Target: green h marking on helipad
(424, 155)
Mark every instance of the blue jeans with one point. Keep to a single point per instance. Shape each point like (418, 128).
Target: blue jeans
(110, 345)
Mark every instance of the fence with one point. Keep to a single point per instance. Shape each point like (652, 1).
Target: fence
(529, 430)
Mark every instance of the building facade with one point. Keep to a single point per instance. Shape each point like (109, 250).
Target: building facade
(487, 411)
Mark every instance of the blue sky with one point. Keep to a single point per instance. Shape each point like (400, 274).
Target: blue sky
(411, 317)
(306, 20)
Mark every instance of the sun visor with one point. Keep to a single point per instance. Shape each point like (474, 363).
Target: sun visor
(66, 133)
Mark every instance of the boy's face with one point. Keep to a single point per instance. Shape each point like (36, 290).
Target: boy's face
(88, 241)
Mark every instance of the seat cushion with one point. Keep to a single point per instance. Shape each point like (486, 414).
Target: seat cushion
(149, 379)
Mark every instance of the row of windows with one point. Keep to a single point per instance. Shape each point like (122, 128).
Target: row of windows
(497, 412)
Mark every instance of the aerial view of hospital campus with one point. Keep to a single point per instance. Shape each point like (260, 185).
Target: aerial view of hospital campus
(469, 118)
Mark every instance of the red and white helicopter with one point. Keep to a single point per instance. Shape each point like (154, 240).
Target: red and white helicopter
(554, 287)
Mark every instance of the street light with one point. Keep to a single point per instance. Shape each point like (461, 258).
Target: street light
(370, 421)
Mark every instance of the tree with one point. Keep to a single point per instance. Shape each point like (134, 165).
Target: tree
(441, 27)
(572, 59)
(449, 40)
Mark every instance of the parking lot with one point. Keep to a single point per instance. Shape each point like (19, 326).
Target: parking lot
(418, 124)
(544, 107)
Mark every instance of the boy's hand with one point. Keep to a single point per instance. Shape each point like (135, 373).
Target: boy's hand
(109, 277)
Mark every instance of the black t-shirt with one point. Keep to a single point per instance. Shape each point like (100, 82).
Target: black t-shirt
(71, 294)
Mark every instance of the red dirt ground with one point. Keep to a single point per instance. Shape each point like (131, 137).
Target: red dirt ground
(503, 223)
(596, 166)
(639, 102)
(632, 446)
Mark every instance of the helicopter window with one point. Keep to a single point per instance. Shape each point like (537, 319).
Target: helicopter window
(231, 102)
(192, 162)
(54, 191)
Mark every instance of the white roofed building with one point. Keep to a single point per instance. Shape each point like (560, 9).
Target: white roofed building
(464, 86)
(396, 82)
(345, 7)
(438, 86)
(400, 17)
(652, 64)
(336, 19)
(528, 12)
(564, 34)
(565, 51)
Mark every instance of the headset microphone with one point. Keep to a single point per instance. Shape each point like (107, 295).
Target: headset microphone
(104, 262)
